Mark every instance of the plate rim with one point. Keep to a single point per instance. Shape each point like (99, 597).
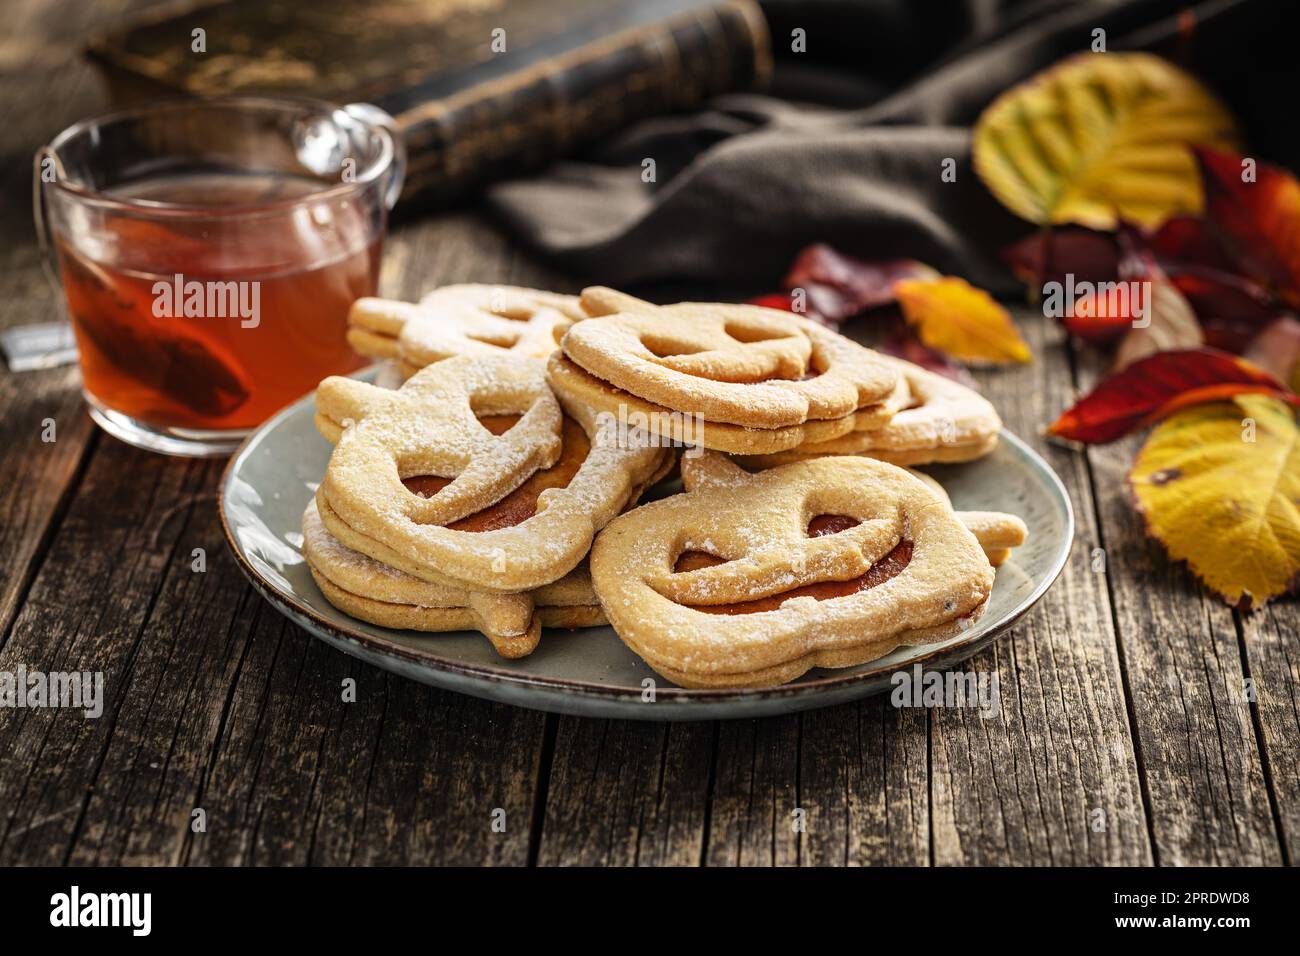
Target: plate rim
(585, 689)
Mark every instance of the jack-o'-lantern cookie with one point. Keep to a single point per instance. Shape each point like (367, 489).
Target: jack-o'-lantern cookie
(748, 580)
(940, 421)
(372, 591)
(733, 364)
(461, 320)
(470, 474)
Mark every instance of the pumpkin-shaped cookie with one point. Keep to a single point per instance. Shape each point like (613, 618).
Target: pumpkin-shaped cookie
(470, 475)
(732, 364)
(747, 580)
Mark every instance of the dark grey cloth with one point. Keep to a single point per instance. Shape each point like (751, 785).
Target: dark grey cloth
(848, 145)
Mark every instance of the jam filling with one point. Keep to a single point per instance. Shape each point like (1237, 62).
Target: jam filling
(521, 504)
(830, 524)
(887, 567)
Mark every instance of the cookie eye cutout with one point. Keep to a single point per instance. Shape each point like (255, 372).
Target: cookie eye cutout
(498, 424)
(694, 560)
(507, 339)
(661, 347)
(890, 566)
(515, 311)
(822, 525)
(521, 504)
(749, 335)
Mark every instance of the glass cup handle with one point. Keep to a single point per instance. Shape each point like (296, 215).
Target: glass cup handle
(372, 115)
(49, 264)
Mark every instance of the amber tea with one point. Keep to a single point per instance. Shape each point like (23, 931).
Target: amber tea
(184, 330)
(209, 253)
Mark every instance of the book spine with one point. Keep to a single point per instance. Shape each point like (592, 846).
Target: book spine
(520, 122)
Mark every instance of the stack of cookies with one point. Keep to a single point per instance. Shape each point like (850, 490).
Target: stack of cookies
(465, 497)
(732, 378)
(498, 487)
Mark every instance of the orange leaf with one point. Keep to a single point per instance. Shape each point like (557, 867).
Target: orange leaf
(954, 317)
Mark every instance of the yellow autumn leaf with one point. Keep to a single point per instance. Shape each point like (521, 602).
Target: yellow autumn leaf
(1100, 138)
(953, 316)
(1219, 486)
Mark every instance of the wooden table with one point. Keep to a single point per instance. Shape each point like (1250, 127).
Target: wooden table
(1125, 735)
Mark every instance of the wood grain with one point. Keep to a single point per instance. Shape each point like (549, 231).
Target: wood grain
(1273, 665)
(1125, 733)
(1207, 799)
(1027, 786)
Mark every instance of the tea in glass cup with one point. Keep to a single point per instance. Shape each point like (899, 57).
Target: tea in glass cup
(209, 253)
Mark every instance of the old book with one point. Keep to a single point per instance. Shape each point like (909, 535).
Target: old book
(483, 89)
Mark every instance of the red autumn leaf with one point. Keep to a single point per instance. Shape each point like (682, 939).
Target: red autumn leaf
(1186, 242)
(1259, 221)
(1103, 310)
(1049, 255)
(839, 287)
(1156, 386)
(1231, 309)
(905, 345)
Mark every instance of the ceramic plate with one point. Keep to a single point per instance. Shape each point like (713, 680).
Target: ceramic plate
(272, 477)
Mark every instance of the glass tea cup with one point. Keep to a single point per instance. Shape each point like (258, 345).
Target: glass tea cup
(209, 252)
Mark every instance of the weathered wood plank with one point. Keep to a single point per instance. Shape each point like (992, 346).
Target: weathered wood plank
(755, 794)
(216, 702)
(1025, 787)
(87, 610)
(864, 786)
(406, 775)
(1272, 644)
(1208, 800)
(626, 793)
(35, 474)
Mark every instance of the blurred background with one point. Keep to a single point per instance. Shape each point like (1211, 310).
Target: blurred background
(771, 124)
